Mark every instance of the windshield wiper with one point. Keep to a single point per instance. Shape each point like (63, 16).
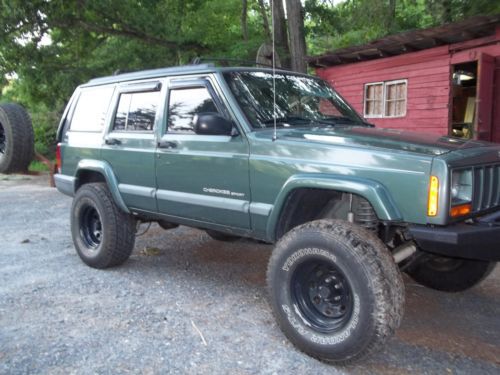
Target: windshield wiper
(339, 120)
(292, 120)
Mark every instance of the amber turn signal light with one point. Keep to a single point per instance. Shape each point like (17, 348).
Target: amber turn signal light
(432, 203)
(463, 209)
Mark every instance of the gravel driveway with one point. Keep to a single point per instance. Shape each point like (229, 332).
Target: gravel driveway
(185, 303)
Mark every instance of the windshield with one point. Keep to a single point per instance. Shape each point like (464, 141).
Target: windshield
(300, 101)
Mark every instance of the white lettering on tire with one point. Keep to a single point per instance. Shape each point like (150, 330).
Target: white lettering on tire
(305, 252)
(325, 339)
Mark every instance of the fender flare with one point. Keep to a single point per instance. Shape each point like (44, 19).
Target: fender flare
(373, 191)
(105, 169)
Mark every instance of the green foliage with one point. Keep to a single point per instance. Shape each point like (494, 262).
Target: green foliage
(95, 38)
(355, 22)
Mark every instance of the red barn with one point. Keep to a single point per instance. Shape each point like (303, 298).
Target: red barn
(443, 80)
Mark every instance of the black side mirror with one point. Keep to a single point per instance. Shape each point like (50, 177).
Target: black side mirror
(211, 123)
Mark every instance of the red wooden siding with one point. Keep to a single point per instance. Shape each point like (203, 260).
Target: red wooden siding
(428, 75)
(428, 87)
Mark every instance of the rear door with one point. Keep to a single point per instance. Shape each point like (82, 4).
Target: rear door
(201, 177)
(130, 142)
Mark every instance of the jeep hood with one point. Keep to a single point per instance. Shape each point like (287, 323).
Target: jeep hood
(370, 137)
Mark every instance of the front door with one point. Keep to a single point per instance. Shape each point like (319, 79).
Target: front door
(201, 177)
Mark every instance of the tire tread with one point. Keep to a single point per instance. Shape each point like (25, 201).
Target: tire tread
(21, 151)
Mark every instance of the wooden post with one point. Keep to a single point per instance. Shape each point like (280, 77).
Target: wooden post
(50, 165)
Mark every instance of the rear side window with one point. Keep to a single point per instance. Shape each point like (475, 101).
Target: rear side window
(91, 109)
(136, 111)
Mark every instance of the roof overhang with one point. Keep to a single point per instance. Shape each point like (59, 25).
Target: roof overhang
(411, 41)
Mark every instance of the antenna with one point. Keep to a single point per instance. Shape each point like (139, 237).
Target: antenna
(275, 136)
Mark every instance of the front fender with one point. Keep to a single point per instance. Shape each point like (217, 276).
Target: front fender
(105, 169)
(373, 191)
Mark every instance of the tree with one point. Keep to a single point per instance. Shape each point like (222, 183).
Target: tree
(244, 17)
(280, 32)
(297, 36)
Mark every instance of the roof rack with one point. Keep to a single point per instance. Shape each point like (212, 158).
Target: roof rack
(225, 61)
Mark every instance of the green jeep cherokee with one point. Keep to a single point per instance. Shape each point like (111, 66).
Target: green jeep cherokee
(348, 206)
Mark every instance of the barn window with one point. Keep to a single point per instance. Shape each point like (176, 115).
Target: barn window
(385, 99)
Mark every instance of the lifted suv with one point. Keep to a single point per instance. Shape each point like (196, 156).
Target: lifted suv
(348, 206)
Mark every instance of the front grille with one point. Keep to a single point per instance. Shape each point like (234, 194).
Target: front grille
(486, 187)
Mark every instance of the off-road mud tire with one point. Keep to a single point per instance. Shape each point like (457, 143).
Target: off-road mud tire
(450, 274)
(103, 235)
(16, 138)
(370, 274)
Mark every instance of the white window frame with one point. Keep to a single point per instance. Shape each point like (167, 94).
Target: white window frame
(384, 98)
(365, 96)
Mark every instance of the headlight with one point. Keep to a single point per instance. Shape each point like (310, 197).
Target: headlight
(461, 192)
(461, 187)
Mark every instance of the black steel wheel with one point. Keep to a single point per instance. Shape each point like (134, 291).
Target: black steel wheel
(103, 235)
(335, 290)
(322, 294)
(450, 274)
(90, 227)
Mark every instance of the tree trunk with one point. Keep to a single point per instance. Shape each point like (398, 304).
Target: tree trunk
(244, 24)
(280, 33)
(297, 36)
(265, 21)
(391, 16)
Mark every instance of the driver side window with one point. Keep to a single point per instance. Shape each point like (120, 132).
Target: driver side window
(185, 104)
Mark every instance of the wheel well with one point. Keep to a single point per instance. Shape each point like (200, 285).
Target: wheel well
(86, 177)
(308, 204)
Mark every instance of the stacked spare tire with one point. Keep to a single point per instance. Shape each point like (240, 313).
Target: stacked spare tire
(16, 138)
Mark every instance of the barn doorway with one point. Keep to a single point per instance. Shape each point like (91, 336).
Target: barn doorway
(472, 98)
(464, 91)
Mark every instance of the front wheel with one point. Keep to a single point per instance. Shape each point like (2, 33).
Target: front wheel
(335, 290)
(450, 274)
(103, 235)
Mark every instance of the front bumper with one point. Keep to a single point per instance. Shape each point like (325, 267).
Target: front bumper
(480, 240)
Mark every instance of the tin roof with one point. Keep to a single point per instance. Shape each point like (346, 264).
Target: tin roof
(410, 41)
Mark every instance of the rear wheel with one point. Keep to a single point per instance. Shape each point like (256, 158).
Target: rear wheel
(335, 290)
(450, 274)
(16, 139)
(103, 235)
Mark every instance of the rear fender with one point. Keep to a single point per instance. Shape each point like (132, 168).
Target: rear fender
(105, 169)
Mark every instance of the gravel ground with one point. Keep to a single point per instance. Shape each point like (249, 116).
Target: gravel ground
(185, 303)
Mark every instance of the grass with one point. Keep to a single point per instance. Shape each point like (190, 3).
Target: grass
(37, 166)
